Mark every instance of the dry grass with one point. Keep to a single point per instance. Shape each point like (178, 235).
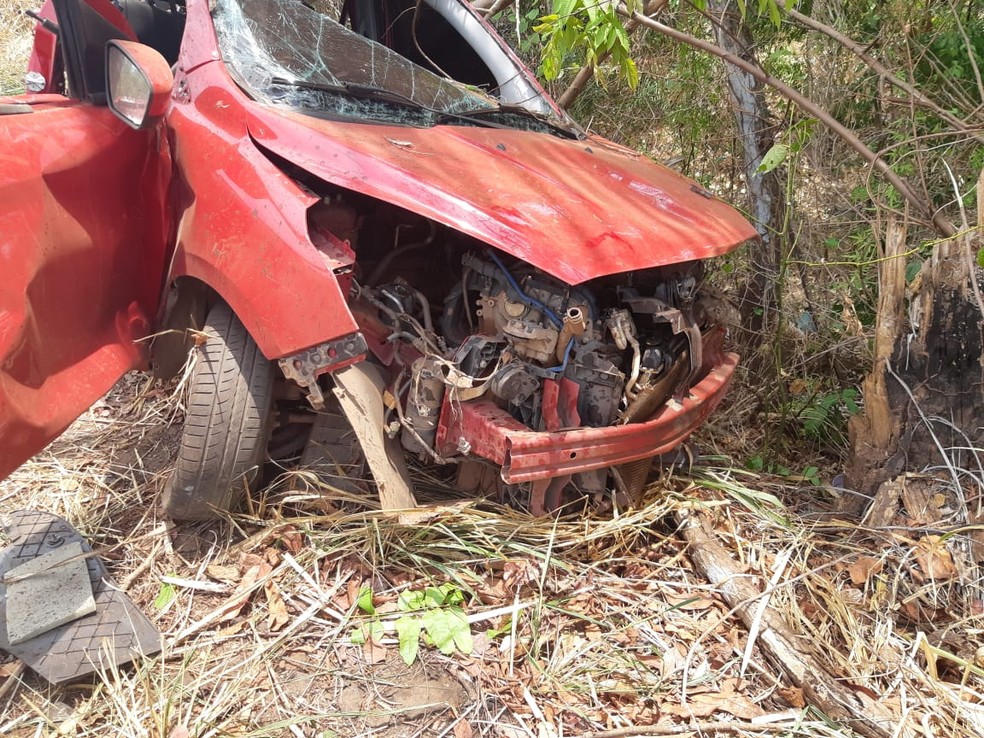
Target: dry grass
(15, 43)
(579, 624)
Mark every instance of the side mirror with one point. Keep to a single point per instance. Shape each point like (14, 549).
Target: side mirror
(138, 83)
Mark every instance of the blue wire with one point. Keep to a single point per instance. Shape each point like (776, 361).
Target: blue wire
(526, 298)
(567, 356)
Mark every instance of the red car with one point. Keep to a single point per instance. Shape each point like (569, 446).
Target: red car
(369, 223)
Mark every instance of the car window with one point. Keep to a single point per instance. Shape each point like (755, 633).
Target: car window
(285, 53)
(84, 28)
(369, 60)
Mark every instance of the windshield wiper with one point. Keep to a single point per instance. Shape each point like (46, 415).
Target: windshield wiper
(473, 116)
(479, 115)
(354, 89)
(371, 92)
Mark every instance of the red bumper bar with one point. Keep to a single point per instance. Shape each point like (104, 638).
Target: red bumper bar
(490, 432)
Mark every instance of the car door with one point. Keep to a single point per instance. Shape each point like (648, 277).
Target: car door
(83, 242)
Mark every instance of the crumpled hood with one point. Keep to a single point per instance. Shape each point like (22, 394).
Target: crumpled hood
(575, 209)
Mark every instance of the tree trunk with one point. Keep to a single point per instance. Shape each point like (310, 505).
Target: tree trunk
(766, 199)
(924, 398)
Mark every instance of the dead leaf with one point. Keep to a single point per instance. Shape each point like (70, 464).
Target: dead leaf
(798, 387)
(230, 630)
(793, 696)
(250, 559)
(277, 616)
(227, 574)
(673, 660)
(863, 569)
(292, 539)
(238, 600)
(728, 700)
(463, 729)
(933, 558)
(373, 652)
(353, 587)
(178, 731)
(10, 669)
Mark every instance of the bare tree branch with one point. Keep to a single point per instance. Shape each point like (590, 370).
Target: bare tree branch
(922, 206)
(858, 50)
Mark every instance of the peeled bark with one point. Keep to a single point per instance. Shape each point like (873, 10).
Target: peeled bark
(924, 398)
(874, 433)
(766, 200)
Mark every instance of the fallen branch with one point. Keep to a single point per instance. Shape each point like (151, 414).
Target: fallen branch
(821, 689)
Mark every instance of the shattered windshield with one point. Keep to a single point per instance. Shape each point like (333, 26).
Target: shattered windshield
(285, 53)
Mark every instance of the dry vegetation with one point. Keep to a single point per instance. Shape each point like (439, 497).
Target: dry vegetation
(15, 43)
(579, 625)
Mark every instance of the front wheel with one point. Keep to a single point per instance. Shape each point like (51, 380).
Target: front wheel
(227, 421)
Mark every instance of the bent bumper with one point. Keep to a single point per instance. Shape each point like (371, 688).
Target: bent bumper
(524, 455)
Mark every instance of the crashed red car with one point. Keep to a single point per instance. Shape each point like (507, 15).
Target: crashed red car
(377, 232)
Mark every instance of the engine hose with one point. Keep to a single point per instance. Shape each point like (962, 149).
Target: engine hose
(567, 356)
(523, 296)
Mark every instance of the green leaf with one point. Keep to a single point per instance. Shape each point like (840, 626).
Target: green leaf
(564, 7)
(376, 631)
(980, 258)
(773, 158)
(434, 596)
(460, 631)
(358, 635)
(631, 72)
(913, 268)
(365, 601)
(439, 630)
(410, 600)
(774, 15)
(408, 632)
(165, 596)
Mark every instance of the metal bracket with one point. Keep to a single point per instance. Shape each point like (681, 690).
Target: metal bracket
(306, 366)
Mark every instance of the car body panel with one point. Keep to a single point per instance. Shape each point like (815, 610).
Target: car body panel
(528, 456)
(609, 211)
(45, 59)
(82, 258)
(242, 224)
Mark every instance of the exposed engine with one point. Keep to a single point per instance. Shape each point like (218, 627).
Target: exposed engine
(452, 320)
(627, 344)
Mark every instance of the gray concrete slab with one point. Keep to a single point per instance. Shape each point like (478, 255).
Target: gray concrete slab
(51, 590)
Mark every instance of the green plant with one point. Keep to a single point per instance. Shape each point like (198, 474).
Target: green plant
(823, 416)
(434, 613)
(591, 31)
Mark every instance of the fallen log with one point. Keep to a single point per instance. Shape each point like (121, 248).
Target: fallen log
(742, 592)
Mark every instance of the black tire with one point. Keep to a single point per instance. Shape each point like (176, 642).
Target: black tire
(223, 444)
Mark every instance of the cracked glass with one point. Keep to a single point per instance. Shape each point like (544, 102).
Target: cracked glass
(285, 53)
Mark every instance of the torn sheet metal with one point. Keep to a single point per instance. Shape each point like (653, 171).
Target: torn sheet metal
(115, 634)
